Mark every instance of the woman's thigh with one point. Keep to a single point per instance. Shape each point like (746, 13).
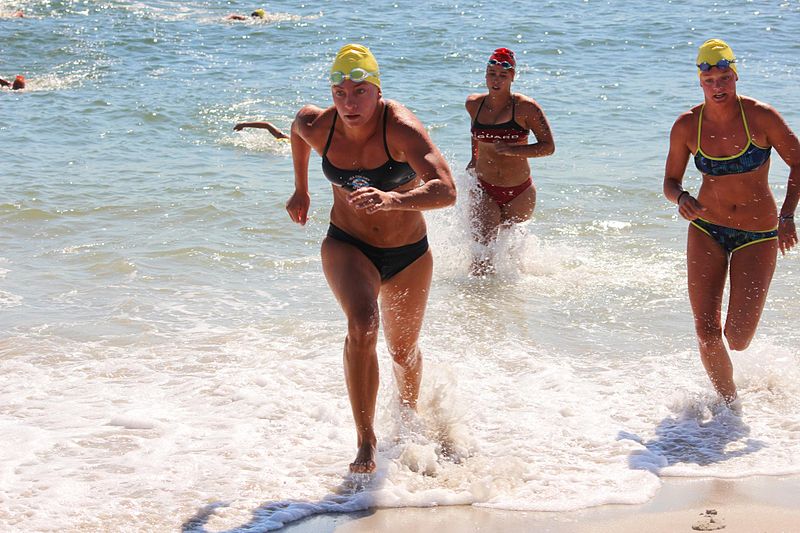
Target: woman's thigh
(520, 208)
(707, 268)
(352, 277)
(486, 216)
(403, 301)
(751, 273)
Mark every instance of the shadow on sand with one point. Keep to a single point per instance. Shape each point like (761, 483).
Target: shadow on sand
(692, 436)
(350, 500)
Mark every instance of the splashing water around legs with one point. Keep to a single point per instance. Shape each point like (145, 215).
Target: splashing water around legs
(488, 218)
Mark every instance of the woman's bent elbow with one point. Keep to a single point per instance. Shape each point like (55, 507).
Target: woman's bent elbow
(451, 197)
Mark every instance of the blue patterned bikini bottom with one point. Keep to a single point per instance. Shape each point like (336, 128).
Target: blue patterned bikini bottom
(732, 239)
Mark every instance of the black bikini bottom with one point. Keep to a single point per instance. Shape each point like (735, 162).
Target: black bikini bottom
(388, 261)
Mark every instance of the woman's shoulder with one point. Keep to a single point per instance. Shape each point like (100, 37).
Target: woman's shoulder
(526, 104)
(473, 100)
(402, 125)
(400, 115)
(313, 124)
(762, 117)
(689, 117)
(685, 125)
(311, 117)
(312, 112)
(757, 107)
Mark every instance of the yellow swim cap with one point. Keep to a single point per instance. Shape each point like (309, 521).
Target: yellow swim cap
(260, 13)
(355, 56)
(714, 51)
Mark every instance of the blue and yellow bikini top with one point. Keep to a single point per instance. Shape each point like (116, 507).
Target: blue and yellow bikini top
(508, 131)
(386, 177)
(752, 157)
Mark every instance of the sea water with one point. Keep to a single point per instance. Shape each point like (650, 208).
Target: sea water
(171, 355)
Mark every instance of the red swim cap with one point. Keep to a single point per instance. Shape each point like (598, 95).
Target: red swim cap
(19, 82)
(504, 54)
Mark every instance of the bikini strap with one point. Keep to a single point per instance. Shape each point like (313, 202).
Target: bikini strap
(479, 110)
(386, 144)
(700, 125)
(330, 135)
(744, 120)
(514, 110)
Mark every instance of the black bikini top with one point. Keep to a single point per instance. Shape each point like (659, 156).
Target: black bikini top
(505, 131)
(386, 177)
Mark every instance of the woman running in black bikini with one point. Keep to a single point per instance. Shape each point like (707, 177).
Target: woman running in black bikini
(385, 170)
(735, 230)
(501, 121)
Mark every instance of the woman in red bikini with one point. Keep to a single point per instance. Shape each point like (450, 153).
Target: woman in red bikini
(501, 121)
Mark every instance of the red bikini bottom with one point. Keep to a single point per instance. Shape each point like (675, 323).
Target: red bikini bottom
(503, 195)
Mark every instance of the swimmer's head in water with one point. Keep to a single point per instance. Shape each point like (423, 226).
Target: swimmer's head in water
(715, 53)
(19, 83)
(260, 13)
(355, 62)
(503, 58)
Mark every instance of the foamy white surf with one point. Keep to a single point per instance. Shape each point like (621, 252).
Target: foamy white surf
(255, 419)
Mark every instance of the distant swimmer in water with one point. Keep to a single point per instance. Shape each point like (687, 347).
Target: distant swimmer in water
(501, 121)
(735, 228)
(277, 133)
(385, 171)
(14, 14)
(17, 84)
(257, 14)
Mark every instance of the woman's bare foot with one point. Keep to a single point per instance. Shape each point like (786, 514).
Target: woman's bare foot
(365, 459)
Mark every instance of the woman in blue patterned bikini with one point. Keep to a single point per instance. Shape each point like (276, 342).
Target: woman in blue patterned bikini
(735, 228)
(501, 121)
(385, 171)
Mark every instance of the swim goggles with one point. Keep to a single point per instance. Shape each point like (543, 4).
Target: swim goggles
(722, 64)
(357, 75)
(505, 64)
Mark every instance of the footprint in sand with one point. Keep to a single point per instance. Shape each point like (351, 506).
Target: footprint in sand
(709, 521)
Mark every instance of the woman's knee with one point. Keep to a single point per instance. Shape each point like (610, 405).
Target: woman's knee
(708, 332)
(363, 324)
(406, 356)
(738, 339)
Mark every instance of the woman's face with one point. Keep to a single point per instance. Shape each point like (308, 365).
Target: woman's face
(719, 85)
(498, 79)
(355, 102)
